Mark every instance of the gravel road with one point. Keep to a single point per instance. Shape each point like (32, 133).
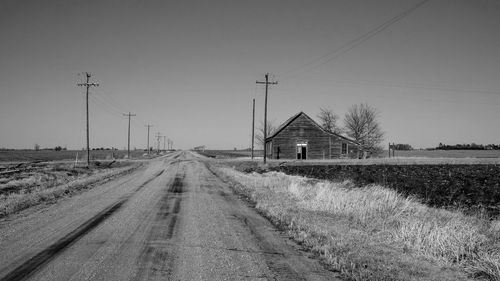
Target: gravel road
(172, 219)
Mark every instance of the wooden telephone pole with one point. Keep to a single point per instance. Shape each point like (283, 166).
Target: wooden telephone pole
(149, 126)
(158, 136)
(88, 85)
(265, 112)
(128, 146)
(253, 125)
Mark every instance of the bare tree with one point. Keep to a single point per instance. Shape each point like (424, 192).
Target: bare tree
(259, 136)
(328, 120)
(362, 125)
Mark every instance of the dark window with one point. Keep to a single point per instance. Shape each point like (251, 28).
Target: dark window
(344, 148)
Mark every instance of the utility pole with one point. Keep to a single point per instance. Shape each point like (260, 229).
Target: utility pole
(158, 142)
(88, 85)
(128, 146)
(164, 138)
(265, 112)
(253, 124)
(149, 126)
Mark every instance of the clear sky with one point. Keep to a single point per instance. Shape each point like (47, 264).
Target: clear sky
(189, 68)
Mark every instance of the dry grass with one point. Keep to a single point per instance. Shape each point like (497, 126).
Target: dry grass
(373, 233)
(35, 189)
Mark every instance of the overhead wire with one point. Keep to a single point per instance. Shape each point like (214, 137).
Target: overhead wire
(332, 55)
(350, 45)
(424, 86)
(103, 107)
(407, 85)
(111, 110)
(113, 106)
(106, 103)
(423, 98)
(109, 101)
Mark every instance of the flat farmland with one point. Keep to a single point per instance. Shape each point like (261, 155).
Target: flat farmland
(26, 184)
(401, 157)
(230, 153)
(446, 153)
(471, 184)
(51, 155)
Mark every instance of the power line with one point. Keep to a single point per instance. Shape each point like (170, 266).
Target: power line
(267, 83)
(351, 44)
(106, 102)
(422, 86)
(403, 84)
(104, 107)
(158, 136)
(128, 146)
(170, 144)
(139, 123)
(87, 85)
(110, 101)
(109, 105)
(253, 125)
(115, 110)
(149, 126)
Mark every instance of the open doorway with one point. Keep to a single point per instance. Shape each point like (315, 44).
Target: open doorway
(302, 150)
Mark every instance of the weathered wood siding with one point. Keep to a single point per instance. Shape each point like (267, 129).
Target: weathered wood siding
(320, 144)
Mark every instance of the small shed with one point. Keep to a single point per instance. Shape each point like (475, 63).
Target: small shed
(300, 137)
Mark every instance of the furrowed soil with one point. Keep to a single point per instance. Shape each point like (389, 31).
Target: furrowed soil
(471, 188)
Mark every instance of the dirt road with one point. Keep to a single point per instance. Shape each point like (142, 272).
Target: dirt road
(171, 220)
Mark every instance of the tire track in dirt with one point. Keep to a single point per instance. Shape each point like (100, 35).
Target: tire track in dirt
(35, 263)
(156, 258)
(285, 263)
(149, 180)
(32, 265)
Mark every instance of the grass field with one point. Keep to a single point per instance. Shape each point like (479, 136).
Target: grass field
(446, 153)
(225, 154)
(51, 155)
(414, 157)
(372, 232)
(470, 188)
(28, 184)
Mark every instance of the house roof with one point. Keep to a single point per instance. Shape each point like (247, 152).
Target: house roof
(291, 119)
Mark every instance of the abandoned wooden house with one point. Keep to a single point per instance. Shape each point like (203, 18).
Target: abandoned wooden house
(300, 137)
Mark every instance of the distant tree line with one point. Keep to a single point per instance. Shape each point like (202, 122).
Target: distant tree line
(401, 146)
(103, 148)
(36, 148)
(468, 146)
(57, 148)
